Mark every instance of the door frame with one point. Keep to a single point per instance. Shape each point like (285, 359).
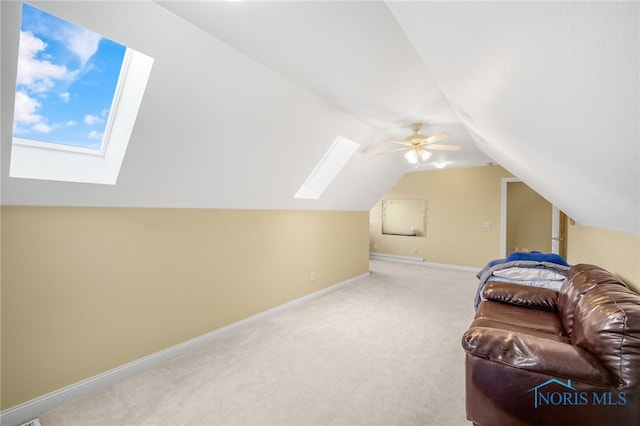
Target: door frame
(555, 220)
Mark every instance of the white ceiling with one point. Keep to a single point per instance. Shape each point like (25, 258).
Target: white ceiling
(245, 97)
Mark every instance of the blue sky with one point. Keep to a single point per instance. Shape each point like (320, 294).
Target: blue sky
(66, 81)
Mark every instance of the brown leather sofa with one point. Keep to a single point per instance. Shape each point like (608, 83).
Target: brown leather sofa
(535, 356)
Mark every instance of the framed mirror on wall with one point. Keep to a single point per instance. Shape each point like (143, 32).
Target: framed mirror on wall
(404, 217)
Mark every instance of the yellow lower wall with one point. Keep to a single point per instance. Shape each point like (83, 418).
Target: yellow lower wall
(85, 290)
(616, 252)
(459, 202)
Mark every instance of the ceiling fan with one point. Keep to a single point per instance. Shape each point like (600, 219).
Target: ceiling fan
(417, 145)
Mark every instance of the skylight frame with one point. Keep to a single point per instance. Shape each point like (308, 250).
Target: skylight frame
(50, 161)
(36, 159)
(115, 101)
(327, 169)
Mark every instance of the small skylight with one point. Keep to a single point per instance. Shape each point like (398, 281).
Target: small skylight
(76, 101)
(327, 168)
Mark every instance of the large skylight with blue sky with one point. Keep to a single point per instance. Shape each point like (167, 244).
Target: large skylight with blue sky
(77, 93)
(66, 81)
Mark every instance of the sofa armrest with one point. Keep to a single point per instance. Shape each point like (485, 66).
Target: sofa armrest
(535, 354)
(522, 295)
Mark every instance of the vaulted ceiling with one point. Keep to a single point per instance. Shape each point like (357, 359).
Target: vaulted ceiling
(245, 97)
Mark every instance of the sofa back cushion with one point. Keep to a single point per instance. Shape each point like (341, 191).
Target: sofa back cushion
(581, 279)
(607, 324)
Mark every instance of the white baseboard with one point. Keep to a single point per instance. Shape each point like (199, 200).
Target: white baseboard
(420, 260)
(31, 409)
(456, 267)
(395, 257)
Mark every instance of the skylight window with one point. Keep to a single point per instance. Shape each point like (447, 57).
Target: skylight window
(327, 168)
(66, 81)
(76, 101)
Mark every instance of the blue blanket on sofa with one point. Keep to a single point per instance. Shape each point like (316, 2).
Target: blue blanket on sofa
(534, 256)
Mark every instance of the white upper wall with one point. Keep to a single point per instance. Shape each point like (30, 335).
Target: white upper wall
(215, 129)
(245, 97)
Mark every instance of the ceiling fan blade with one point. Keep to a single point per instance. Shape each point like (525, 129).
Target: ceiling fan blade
(401, 143)
(393, 150)
(435, 138)
(437, 147)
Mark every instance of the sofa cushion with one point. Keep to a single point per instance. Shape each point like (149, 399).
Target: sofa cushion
(535, 353)
(581, 279)
(487, 323)
(607, 324)
(517, 294)
(535, 319)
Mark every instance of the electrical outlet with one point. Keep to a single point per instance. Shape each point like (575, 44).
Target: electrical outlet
(313, 276)
(415, 250)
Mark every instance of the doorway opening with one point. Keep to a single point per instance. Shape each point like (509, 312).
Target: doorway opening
(528, 222)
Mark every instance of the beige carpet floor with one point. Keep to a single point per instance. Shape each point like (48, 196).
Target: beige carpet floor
(382, 351)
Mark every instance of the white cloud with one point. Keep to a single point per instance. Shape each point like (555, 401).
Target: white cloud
(79, 41)
(95, 135)
(17, 129)
(71, 123)
(38, 75)
(25, 113)
(42, 128)
(65, 97)
(25, 109)
(91, 119)
(83, 43)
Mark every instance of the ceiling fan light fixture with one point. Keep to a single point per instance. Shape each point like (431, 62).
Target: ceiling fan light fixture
(424, 155)
(411, 156)
(418, 147)
(415, 156)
